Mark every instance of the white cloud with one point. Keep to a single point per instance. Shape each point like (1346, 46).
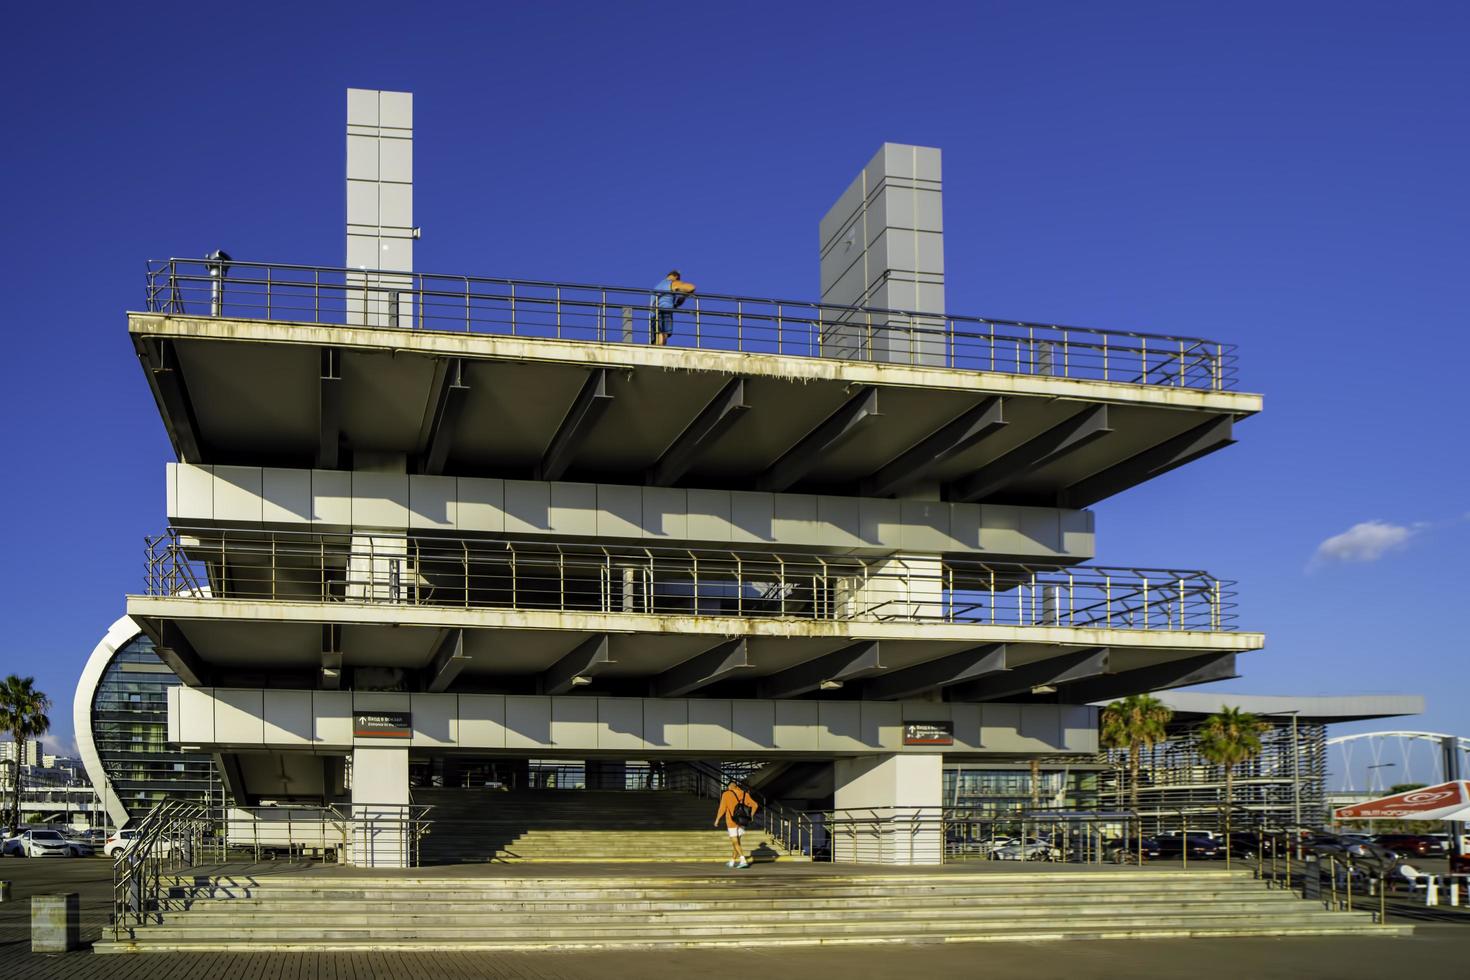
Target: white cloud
(1368, 541)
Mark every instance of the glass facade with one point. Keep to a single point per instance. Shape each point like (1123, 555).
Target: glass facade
(130, 729)
(990, 791)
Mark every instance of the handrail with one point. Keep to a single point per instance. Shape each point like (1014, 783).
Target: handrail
(177, 834)
(429, 570)
(707, 321)
(792, 828)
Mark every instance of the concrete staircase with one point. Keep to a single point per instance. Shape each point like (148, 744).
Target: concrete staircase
(342, 910)
(477, 825)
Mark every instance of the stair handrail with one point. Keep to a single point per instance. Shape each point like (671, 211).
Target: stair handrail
(794, 829)
(169, 833)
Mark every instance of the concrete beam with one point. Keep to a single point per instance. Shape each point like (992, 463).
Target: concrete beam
(249, 615)
(812, 448)
(160, 362)
(579, 421)
(702, 670)
(448, 660)
(441, 414)
(1158, 677)
(635, 357)
(578, 667)
(174, 649)
(957, 668)
(722, 412)
(331, 664)
(1184, 448)
(1044, 673)
(329, 410)
(962, 432)
(1053, 444)
(227, 764)
(824, 673)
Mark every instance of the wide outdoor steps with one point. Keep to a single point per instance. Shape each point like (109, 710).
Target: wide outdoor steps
(345, 911)
(469, 825)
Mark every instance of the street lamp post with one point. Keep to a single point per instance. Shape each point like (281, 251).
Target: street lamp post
(1371, 777)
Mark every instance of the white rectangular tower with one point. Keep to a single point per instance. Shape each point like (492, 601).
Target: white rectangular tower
(882, 246)
(380, 232)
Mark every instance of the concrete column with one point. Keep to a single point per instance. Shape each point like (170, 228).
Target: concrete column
(902, 586)
(380, 837)
(379, 568)
(887, 808)
(882, 246)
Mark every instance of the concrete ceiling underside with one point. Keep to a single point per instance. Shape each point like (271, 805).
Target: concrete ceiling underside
(252, 402)
(252, 652)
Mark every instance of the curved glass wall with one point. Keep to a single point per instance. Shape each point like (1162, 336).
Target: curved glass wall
(130, 729)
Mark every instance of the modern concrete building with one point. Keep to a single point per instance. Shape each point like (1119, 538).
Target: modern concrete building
(417, 522)
(1284, 786)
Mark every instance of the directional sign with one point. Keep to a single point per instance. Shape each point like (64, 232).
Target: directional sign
(928, 733)
(382, 724)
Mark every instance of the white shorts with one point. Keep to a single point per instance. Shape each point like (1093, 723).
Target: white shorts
(737, 831)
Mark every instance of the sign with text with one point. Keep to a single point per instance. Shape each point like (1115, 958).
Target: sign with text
(928, 733)
(382, 724)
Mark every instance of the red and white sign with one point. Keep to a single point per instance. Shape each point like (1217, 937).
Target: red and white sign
(1447, 801)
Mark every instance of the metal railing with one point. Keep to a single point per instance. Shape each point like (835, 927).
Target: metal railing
(613, 314)
(167, 839)
(377, 568)
(175, 836)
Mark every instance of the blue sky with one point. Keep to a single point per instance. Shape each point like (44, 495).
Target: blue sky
(1287, 177)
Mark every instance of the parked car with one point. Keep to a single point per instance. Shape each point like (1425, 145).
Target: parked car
(1415, 845)
(1249, 843)
(121, 840)
(1031, 849)
(1200, 848)
(80, 847)
(38, 843)
(1113, 847)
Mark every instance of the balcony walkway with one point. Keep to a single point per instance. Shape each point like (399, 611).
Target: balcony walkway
(614, 314)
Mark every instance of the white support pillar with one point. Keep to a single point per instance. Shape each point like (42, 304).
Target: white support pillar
(887, 809)
(380, 810)
(899, 587)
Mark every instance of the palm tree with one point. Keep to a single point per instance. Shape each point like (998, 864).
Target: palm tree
(22, 714)
(1228, 738)
(1134, 723)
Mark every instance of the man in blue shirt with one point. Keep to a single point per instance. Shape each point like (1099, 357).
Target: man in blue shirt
(667, 296)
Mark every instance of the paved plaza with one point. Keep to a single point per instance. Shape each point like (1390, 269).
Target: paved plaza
(1440, 948)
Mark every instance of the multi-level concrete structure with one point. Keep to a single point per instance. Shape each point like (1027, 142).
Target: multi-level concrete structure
(421, 519)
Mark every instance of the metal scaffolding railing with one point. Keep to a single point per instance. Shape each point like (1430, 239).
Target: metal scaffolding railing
(611, 314)
(429, 570)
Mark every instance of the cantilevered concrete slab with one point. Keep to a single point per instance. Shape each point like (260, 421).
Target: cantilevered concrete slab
(517, 650)
(255, 392)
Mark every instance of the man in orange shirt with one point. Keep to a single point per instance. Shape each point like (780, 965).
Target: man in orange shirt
(737, 808)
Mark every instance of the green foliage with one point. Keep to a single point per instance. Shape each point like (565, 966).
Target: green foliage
(1135, 723)
(22, 714)
(1230, 737)
(1398, 788)
(1227, 738)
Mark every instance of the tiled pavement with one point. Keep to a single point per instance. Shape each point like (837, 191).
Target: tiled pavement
(1439, 949)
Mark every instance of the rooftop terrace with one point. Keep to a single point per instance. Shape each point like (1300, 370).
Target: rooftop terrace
(707, 321)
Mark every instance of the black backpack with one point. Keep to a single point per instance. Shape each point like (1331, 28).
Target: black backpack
(741, 814)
